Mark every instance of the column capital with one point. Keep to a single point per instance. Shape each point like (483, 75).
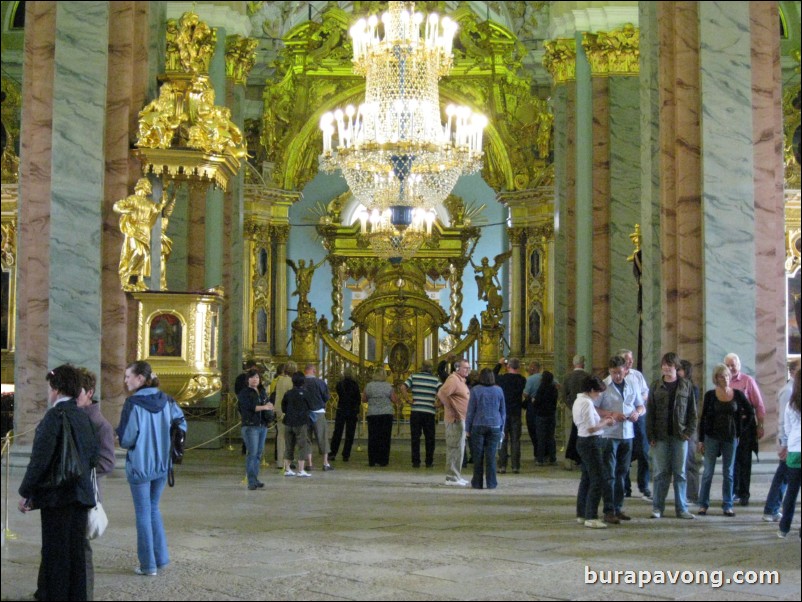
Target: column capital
(560, 59)
(616, 52)
(240, 57)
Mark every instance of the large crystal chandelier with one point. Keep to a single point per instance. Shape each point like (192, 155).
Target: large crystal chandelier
(393, 150)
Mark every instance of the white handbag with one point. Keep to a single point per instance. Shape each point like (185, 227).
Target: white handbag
(96, 519)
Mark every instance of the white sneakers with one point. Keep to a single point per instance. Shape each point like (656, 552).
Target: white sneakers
(595, 524)
(772, 518)
(303, 474)
(656, 514)
(289, 473)
(460, 483)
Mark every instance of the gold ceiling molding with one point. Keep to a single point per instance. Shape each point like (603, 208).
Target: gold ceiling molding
(560, 59)
(240, 57)
(314, 74)
(613, 53)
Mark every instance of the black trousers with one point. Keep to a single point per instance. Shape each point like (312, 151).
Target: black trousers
(347, 423)
(62, 573)
(380, 431)
(743, 464)
(422, 422)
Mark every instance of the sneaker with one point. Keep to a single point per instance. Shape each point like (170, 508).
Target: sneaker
(595, 524)
(611, 519)
(251, 487)
(327, 467)
(289, 472)
(782, 535)
(729, 513)
(772, 518)
(464, 483)
(622, 516)
(259, 484)
(460, 483)
(303, 474)
(685, 515)
(656, 514)
(647, 495)
(151, 573)
(580, 520)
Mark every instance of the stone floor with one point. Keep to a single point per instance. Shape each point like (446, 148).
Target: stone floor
(399, 533)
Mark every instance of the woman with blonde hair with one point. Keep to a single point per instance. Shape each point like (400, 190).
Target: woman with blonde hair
(381, 399)
(725, 412)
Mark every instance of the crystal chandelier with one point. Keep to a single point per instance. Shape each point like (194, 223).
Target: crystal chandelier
(393, 150)
(387, 240)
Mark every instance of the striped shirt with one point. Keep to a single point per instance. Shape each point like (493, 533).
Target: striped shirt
(423, 387)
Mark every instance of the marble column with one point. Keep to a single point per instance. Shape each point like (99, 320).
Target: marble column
(564, 101)
(213, 254)
(33, 256)
(650, 88)
(625, 204)
(767, 134)
(131, 56)
(727, 182)
(61, 205)
(583, 291)
(600, 206)
(233, 256)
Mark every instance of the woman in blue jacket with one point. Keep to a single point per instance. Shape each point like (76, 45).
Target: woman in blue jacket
(144, 431)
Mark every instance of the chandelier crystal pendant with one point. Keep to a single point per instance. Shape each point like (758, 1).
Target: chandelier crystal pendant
(393, 150)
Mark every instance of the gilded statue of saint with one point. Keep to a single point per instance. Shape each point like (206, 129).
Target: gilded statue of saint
(138, 215)
(303, 279)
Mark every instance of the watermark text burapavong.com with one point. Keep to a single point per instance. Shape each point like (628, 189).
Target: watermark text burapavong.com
(714, 578)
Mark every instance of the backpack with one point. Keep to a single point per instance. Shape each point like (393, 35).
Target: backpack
(65, 467)
(177, 441)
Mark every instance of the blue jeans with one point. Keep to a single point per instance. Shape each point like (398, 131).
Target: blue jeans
(151, 542)
(789, 501)
(640, 452)
(617, 456)
(484, 445)
(590, 485)
(254, 439)
(712, 449)
(777, 490)
(668, 458)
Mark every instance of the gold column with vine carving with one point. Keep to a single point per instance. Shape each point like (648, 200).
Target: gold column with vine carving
(531, 235)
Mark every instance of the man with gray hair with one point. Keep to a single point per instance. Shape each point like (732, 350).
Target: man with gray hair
(640, 446)
(422, 385)
(751, 433)
(453, 395)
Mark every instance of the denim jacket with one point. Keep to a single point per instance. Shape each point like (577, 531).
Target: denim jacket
(144, 431)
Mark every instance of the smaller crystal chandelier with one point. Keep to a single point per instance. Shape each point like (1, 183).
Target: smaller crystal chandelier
(387, 240)
(393, 150)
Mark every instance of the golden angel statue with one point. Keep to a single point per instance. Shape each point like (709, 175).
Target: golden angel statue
(489, 286)
(303, 279)
(138, 215)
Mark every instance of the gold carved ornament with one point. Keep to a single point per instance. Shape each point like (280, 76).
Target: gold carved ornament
(792, 122)
(8, 246)
(613, 53)
(560, 59)
(12, 102)
(240, 57)
(182, 133)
